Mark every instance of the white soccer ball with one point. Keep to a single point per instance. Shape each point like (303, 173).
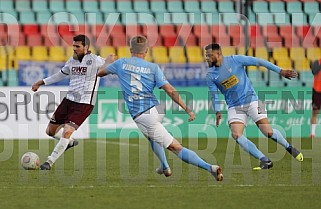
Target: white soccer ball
(30, 161)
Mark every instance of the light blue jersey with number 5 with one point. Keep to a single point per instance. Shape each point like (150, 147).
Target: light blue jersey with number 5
(138, 78)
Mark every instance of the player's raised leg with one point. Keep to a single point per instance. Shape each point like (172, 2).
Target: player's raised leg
(276, 136)
(237, 129)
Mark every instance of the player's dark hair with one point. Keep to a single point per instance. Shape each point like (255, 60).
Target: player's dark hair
(84, 39)
(213, 46)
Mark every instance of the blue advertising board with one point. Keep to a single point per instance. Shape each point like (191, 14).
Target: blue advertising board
(177, 74)
(30, 72)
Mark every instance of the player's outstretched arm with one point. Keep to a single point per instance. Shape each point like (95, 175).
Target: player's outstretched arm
(171, 91)
(102, 71)
(36, 85)
(289, 74)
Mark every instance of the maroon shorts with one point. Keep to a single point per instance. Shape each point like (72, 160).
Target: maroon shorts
(72, 113)
(316, 100)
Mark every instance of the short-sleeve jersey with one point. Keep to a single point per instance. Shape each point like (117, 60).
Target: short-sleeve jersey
(138, 78)
(231, 79)
(84, 82)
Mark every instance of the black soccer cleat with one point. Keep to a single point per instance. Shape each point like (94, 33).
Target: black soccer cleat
(45, 166)
(73, 145)
(264, 165)
(295, 153)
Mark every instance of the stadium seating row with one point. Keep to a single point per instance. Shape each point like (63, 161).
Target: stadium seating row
(171, 12)
(164, 35)
(297, 58)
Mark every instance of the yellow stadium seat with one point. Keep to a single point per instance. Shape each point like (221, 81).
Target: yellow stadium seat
(106, 50)
(297, 53)
(159, 54)
(228, 50)
(241, 51)
(69, 51)
(261, 52)
(302, 65)
(177, 54)
(57, 54)
(6, 62)
(149, 56)
(280, 53)
(39, 53)
(313, 53)
(194, 54)
(285, 63)
(23, 53)
(93, 50)
(123, 52)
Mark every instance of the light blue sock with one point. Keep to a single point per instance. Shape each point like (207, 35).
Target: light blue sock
(250, 147)
(277, 137)
(160, 153)
(191, 157)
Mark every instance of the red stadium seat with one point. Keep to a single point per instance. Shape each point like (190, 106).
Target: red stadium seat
(3, 28)
(167, 30)
(64, 30)
(34, 40)
(257, 42)
(219, 31)
(102, 40)
(119, 40)
(171, 40)
(116, 30)
(149, 29)
(82, 29)
(67, 40)
(17, 40)
(188, 41)
(53, 40)
(155, 40)
(30, 29)
(201, 30)
(204, 40)
(98, 29)
(133, 30)
(48, 30)
(255, 31)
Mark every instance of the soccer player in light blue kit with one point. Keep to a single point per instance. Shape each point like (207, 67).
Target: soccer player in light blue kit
(138, 78)
(228, 75)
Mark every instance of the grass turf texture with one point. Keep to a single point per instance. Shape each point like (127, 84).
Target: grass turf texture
(121, 174)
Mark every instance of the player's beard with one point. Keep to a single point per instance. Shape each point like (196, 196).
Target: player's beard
(210, 64)
(75, 56)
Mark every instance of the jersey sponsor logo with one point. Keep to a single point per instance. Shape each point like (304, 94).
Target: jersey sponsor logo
(79, 70)
(230, 82)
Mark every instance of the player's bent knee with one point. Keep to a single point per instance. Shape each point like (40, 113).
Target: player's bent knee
(235, 136)
(175, 147)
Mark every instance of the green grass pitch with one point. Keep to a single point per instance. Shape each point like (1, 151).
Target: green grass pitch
(121, 174)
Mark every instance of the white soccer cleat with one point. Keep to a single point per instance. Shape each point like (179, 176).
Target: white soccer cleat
(167, 172)
(216, 171)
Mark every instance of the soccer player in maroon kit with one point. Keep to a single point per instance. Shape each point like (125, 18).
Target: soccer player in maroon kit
(79, 102)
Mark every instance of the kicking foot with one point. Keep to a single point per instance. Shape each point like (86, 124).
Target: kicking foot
(312, 136)
(216, 171)
(45, 166)
(264, 165)
(167, 172)
(295, 153)
(75, 143)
